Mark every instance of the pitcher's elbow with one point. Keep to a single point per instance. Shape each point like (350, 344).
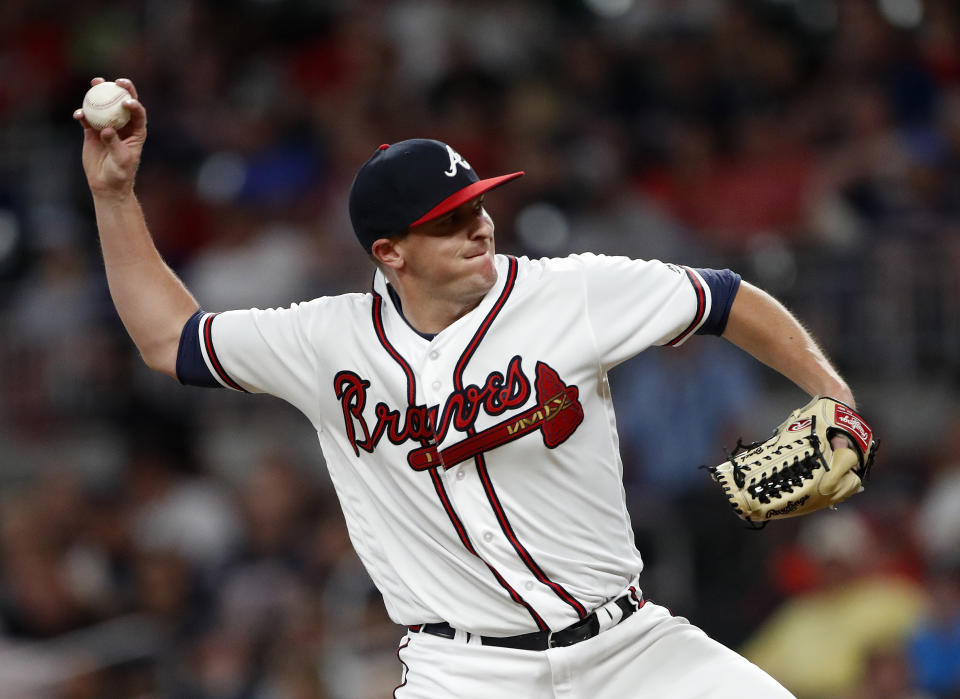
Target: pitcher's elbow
(161, 360)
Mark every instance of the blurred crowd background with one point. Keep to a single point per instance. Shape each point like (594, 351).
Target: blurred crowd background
(161, 541)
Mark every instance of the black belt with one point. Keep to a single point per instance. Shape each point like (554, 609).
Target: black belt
(540, 640)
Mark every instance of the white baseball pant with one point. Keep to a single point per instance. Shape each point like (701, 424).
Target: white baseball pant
(651, 654)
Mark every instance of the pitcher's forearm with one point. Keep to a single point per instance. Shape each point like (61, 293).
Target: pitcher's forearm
(151, 300)
(761, 326)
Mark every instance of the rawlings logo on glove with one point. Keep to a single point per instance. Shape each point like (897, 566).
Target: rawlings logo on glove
(798, 470)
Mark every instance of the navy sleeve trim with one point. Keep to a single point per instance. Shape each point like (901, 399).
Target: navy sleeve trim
(192, 369)
(724, 285)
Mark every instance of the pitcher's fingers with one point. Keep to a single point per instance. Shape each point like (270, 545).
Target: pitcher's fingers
(138, 114)
(114, 144)
(841, 441)
(79, 118)
(110, 136)
(127, 84)
(97, 81)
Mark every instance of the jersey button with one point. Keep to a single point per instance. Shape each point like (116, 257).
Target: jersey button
(434, 354)
(436, 385)
(487, 536)
(460, 475)
(529, 585)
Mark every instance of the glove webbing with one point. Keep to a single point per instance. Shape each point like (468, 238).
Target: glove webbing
(785, 479)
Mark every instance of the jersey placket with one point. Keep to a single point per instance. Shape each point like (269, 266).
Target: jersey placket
(461, 481)
(465, 490)
(472, 491)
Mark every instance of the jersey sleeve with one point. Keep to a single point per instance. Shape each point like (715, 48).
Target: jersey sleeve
(634, 304)
(253, 351)
(723, 285)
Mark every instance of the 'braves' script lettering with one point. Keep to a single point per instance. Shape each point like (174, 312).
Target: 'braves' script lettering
(419, 423)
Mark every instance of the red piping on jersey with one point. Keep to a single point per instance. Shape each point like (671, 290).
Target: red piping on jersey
(701, 307)
(406, 668)
(639, 600)
(498, 510)
(391, 350)
(514, 595)
(485, 325)
(445, 501)
(434, 473)
(465, 540)
(208, 343)
(519, 547)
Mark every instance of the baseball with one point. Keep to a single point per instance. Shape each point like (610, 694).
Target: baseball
(103, 106)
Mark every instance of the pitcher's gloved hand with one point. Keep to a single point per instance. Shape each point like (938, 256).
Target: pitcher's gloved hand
(798, 470)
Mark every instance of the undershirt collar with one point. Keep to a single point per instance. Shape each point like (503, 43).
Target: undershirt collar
(395, 297)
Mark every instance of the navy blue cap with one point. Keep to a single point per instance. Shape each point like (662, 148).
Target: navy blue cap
(409, 183)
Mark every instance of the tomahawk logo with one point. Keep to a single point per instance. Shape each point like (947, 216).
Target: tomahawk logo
(455, 159)
(556, 415)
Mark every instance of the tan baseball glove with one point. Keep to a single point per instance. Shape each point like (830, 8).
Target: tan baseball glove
(798, 470)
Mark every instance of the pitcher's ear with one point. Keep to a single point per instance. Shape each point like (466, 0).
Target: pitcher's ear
(384, 251)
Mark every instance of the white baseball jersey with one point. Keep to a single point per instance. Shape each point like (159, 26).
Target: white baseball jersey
(478, 471)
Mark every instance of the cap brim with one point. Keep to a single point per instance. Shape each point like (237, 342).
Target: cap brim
(465, 195)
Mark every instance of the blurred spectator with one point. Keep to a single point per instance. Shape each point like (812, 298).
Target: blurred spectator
(818, 644)
(192, 518)
(681, 392)
(887, 675)
(934, 649)
(938, 512)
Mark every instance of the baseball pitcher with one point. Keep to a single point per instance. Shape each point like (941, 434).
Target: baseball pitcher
(463, 408)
